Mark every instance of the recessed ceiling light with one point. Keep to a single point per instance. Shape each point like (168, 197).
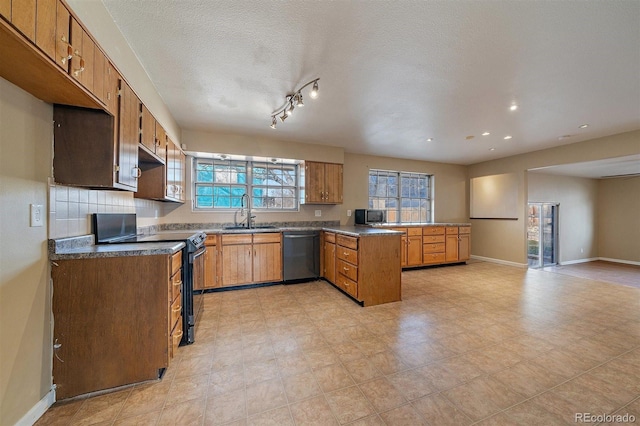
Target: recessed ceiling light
(513, 107)
(492, 149)
(486, 134)
(583, 126)
(508, 137)
(429, 139)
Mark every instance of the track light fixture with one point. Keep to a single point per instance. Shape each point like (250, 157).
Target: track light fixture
(293, 100)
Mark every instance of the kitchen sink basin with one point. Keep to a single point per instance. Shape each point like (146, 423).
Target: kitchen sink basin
(234, 227)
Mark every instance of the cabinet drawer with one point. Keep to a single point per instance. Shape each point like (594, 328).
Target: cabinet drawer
(347, 255)
(464, 230)
(433, 239)
(176, 262)
(432, 248)
(176, 308)
(347, 269)
(433, 230)
(176, 285)
(211, 240)
(267, 237)
(433, 257)
(414, 231)
(347, 285)
(176, 337)
(400, 230)
(345, 241)
(451, 230)
(329, 237)
(231, 239)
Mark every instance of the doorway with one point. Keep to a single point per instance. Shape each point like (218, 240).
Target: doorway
(542, 235)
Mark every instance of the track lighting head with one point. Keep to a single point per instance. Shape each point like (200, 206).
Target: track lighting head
(293, 100)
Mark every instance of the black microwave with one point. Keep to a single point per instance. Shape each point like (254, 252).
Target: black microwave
(366, 216)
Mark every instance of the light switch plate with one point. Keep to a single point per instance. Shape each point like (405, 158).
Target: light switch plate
(36, 215)
(348, 213)
(318, 213)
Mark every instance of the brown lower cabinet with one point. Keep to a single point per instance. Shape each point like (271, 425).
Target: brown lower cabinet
(366, 267)
(250, 258)
(434, 244)
(116, 320)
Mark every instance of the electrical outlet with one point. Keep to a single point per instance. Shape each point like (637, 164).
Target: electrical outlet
(581, 250)
(348, 213)
(36, 215)
(318, 213)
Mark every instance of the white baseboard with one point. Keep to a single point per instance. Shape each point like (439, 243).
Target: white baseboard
(627, 262)
(573, 262)
(39, 409)
(500, 261)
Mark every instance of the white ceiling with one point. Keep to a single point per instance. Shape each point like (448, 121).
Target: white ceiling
(601, 169)
(393, 74)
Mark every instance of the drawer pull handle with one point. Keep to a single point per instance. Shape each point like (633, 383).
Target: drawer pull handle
(346, 254)
(345, 268)
(178, 309)
(178, 335)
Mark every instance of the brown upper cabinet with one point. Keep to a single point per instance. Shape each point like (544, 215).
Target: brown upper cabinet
(323, 183)
(52, 56)
(95, 149)
(162, 181)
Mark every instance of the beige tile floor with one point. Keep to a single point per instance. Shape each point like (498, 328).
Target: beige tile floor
(470, 344)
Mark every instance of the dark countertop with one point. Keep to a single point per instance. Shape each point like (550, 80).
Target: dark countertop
(409, 225)
(356, 231)
(83, 248)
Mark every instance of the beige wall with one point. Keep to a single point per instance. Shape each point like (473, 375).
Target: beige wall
(506, 240)
(450, 190)
(578, 212)
(618, 226)
(251, 146)
(25, 298)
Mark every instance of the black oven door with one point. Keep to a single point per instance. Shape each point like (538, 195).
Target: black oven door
(196, 266)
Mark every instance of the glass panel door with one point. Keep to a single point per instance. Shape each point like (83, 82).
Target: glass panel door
(542, 235)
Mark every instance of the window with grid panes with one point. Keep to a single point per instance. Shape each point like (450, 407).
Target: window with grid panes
(220, 184)
(404, 196)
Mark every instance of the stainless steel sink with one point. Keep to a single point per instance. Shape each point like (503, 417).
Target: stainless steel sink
(234, 227)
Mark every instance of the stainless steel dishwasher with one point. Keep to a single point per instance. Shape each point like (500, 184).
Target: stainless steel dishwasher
(301, 255)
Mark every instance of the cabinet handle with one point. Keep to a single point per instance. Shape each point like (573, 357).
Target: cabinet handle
(178, 335)
(345, 254)
(178, 309)
(136, 172)
(345, 268)
(69, 55)
(77, 71)
(57, 346)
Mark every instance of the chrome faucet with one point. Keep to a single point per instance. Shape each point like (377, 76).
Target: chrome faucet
(250, 217)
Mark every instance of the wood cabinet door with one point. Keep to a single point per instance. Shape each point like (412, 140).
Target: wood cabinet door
(148, 130)
(5, 9)
(111, 86)
(87, 61)
(267, 262)
(414, 250)
(23, 16)
(464, 246)
(236, 264)
(75, 39)
(46, 26)
(99, 75)
(333, 183)
(161, 142)
(451, 248)
(314, 182)
(64, 51)
(403, 251)
(329, 271)
(211, 267)
(128, 129)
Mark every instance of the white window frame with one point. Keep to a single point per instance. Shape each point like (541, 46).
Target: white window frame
(391, 201)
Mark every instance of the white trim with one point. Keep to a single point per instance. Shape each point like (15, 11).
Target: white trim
(39, 409)
(500, 261)
(572, 262)
(628, 262)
